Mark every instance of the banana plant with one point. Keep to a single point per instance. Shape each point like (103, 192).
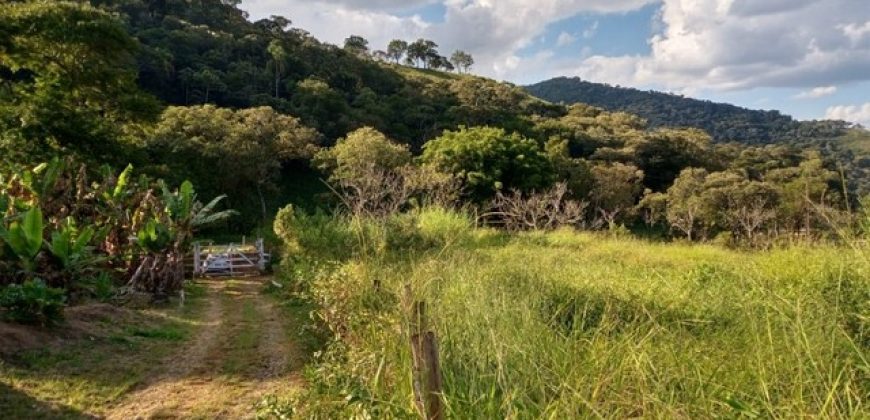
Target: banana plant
(187, 214)
(24, 237)
(154, 236)
(71, 246)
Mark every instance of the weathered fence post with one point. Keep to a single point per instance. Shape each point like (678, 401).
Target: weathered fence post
(197, 254)
(261, 255)
(427, 368)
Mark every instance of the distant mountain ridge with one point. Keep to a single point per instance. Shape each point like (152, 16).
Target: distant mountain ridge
(724, 122)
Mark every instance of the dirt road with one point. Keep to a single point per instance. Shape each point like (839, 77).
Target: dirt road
(243, 350)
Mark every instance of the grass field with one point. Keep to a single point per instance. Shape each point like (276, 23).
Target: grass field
(568, 325)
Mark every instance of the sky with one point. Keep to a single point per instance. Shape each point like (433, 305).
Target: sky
(808, 58)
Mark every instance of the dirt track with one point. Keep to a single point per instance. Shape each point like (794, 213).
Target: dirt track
(243, 351)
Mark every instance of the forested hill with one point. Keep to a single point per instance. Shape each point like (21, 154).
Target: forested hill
(724, 122)
(210, 52)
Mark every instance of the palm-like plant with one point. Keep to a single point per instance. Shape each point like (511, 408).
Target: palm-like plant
(165, 236)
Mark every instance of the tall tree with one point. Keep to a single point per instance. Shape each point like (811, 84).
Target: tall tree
(422, 51)
(396, 50)
(462, 60)
(357, 45)
(279, 61)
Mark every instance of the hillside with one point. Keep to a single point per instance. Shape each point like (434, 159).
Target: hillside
(724, 122)
(209, 52)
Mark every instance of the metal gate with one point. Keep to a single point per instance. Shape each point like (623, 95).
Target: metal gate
(229, 260)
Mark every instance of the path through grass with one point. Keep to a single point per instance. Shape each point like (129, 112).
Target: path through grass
(217, 357)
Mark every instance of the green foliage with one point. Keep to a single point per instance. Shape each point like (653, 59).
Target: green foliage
(360, 152)
(100, 286)
(32, 302)
(71, 245)
(487, 160)
(154, 236)
(249, 146)
(317, 234)
(69, 82)
(24, 237)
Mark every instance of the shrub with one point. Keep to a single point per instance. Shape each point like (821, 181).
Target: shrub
(488, 159)
(317, 234)
(32, 302)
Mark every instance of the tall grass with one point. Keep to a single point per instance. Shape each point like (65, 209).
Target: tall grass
(567, 325)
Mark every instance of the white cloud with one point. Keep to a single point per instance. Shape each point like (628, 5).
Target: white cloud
(591, 30)
(852, 113)
(857, 32)
(565, 39)
(741, 44)
(493, 31)
(816, 92)
(697, 45)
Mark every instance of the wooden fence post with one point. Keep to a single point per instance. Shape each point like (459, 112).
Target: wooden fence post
(427, 368)
(197, 254)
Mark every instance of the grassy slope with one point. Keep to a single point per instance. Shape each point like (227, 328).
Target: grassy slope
(568, 325)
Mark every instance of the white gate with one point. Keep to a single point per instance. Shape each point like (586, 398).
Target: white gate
(229, 260)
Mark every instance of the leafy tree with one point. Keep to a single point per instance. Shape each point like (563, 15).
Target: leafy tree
(685, 206)
(357, 45)
(662, 154)
(362, 150)
(575, 173)
(617, 188)
(462, 60)
(487, 160)
(396, 50)
(422, 51)
(239, 153)
(68, 74)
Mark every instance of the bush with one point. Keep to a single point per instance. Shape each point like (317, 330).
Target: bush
(318, 234)
(32, 302)
(488, 159)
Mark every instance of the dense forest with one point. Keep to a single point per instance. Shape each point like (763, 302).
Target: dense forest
(724, 122)
(179, 88)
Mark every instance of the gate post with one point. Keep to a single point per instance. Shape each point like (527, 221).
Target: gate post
(197, 254)
(261, 256)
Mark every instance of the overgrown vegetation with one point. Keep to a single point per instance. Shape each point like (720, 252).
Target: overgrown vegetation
(569, 324)
(68, 230)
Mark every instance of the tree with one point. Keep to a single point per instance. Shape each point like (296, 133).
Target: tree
(663, 153)
(462, 60)
(685, 205)
(487, 159)
(67, 83)
(616, 189)
(279, 61)
(233, 152)
(396, 50)
(422, 51)
(357, 45)
(210, 80)
(361, 151)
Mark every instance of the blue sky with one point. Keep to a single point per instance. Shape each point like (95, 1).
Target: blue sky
(807, 58)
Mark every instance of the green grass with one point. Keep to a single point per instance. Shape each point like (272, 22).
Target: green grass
(568, 325)
(85, 375)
